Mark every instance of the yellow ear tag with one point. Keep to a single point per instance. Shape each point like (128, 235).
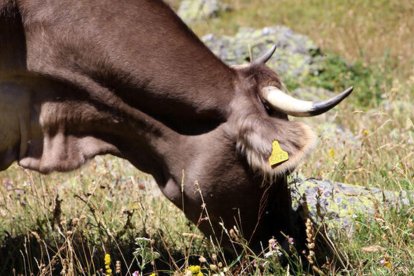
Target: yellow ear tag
(278, 154)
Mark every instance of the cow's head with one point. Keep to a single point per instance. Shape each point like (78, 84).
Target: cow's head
(260, 113)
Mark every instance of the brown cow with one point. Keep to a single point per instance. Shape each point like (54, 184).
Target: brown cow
(79, 78)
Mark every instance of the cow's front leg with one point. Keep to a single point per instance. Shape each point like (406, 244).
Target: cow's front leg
(14, 120)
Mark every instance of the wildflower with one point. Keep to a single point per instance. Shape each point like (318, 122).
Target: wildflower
(195, 270)
(118, 267)
(272, 244)
(274, 249)
(202, 259)
(331, 153)
(107, 261)
(386, 262)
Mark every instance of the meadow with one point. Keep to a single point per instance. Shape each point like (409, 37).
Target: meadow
(109, 218)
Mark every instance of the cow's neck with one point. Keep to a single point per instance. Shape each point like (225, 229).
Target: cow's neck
(153, 62)
(58, 127)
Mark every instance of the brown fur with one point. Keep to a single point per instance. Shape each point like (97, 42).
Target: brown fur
(128, 78)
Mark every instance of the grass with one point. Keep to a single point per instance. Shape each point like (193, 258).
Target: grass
(70, 221)
(383, 155)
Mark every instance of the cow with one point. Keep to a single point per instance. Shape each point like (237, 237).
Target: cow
(80, 78)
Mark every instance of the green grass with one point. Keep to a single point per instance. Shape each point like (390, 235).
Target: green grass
(69, 221)
(336, 74)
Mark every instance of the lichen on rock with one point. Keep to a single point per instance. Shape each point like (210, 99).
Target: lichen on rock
(339, 204)
(296, 57)
(194, 10)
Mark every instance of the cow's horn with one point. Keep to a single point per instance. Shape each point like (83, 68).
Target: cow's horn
(265, 57)
(299, 108)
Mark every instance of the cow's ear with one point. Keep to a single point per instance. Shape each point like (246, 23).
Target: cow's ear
(51, 127)
(274, 146)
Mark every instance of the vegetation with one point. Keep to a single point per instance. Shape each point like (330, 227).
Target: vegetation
(69, 222)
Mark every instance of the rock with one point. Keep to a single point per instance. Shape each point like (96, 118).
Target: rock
(194, 10)
(296, 55)
(335, 134)
(338, 204)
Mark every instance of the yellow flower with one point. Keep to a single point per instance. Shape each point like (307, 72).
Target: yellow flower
(107, 260)
(195, 270)
(386, 262)
(332, 153)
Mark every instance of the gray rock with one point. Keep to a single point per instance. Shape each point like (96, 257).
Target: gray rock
(339, 204)
(296, 56)
(194, 10)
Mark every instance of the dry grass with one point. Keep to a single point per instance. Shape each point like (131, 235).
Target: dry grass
(380, 151)
(70, 221)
